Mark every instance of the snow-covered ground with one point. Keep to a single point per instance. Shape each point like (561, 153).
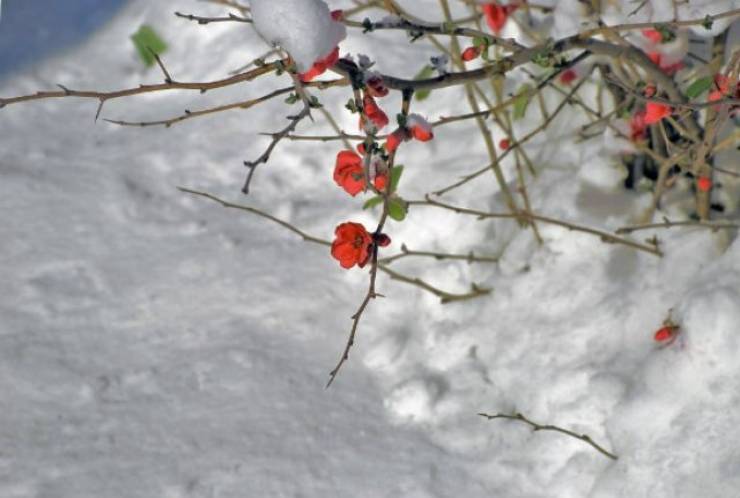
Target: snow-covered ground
(153, 344)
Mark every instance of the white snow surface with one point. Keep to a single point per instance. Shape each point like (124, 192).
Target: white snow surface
(153, 344)
(304, 28)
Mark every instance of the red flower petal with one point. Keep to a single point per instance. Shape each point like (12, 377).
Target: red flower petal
(638, 128)
(320, 66)
(704, 183)
(655, 111)
(375, 87)
(380, 181)
(373, 112)
(349, 173)
(395, 139)
(470, 53)
(496, 16)
(653, 35)
(665, 333)
(568, 76)
(351, 245)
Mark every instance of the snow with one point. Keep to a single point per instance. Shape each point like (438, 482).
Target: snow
(156, 344)
(304, 28)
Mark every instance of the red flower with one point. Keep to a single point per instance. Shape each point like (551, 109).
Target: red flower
(722, 83)
(375, 86)
(650, 90)
(337, 15)
(638, 128)
(320, 66)
(373, 112)
(568, 76)
(666, 333)
(704, 183)
(380, 181)
(395, 139)
(419, 128)
(349, 173)
(496, 15)
(470, 53)
(351, 245)
(655, 111)
(653, 35)
(504, 143)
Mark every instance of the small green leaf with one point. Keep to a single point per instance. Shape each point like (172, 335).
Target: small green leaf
(521, 102)
(397, 208)
(372, 202)
(708, 22)
(292, 99)
(425, 73)
(699, 86)
(148, 43)
(396, 173)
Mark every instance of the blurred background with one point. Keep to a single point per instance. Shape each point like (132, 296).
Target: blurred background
(33, 29)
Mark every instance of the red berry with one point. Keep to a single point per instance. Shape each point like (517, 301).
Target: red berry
(504, 143)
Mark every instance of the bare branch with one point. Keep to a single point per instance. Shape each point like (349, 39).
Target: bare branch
(538, 427)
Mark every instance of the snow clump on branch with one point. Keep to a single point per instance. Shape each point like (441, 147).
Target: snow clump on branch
(304, 28)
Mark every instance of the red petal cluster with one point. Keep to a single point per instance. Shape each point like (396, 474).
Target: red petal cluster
(470, 53)
(655, 111)
(320, 66)
(373, 112)
(666, 333)
(375, 87)
(722, 85)
(638, 128)
(348, 172)
(653, 35)
(351, 245)
(496, 15)
(568, 76)
(704, 184)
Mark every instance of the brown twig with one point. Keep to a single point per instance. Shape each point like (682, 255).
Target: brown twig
(604, 236)
(208, 20)
(538, 427)
(710, 225)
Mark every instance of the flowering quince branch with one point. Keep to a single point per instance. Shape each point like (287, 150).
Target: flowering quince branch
(538, 427)
(443, 295)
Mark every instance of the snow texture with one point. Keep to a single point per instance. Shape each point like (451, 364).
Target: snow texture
(304, 28)
(153, 344)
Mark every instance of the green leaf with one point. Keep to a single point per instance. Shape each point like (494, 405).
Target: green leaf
(521, 102)
(148, 43)
(397, 208)
(396, 173)
(372, 202)
(708, 22)
(425, 73)
(699, 86)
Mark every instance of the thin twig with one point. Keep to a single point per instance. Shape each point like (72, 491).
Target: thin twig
(710, 225)
(538, 427)
(606, 237)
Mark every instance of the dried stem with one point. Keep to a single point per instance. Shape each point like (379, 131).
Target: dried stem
(538, 427)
